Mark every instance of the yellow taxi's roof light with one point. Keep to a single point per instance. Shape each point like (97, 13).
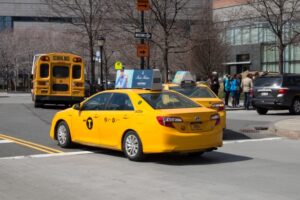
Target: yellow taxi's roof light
(182, 76)
(139, 79)
(188, 83)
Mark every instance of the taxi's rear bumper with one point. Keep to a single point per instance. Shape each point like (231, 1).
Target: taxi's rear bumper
(185, 142)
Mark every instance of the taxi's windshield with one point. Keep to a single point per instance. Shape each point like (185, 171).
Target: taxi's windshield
(168, 100)
(194, 92)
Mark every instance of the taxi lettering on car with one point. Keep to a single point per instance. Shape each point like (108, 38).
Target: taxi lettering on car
(199, 93)
(139, 121)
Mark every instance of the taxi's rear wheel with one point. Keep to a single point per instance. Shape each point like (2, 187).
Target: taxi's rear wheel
(132, 146)
(63, 135)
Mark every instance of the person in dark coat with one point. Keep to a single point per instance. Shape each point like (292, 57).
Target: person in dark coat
(214, 83)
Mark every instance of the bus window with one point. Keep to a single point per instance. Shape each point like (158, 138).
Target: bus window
(44, 70)
(61, 72)
(76, 71)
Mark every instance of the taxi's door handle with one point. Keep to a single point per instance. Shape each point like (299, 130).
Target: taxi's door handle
(125, 117)
(96, 116)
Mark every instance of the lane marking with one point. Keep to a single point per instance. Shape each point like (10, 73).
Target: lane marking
(253, 140)
(5, 141)
(48, 155)
(31, 144)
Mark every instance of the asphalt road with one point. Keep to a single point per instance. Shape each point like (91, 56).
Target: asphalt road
(251, 165)
(20, 120)
(249, 170)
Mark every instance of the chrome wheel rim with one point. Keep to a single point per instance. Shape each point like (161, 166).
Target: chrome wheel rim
(132, 145)
(62, 134)
(297, 106)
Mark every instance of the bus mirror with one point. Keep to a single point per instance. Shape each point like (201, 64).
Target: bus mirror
(76, 106)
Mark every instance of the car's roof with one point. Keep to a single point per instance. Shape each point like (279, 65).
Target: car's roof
(174, 85)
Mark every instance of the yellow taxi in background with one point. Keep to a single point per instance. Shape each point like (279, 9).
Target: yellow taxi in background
(138, 122)
(201, 94)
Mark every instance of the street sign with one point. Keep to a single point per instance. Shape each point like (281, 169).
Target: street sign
(143, 35)
(142, 5)
(142, 50)
(118, 65)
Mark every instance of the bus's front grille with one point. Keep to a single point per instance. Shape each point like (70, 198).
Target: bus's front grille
(60, 87)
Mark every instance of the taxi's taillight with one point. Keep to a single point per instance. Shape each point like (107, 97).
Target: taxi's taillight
(168, 121)
(218, 106)
(216, 118)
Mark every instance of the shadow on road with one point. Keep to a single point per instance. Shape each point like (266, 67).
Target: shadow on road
(233, 135)
(208, 158)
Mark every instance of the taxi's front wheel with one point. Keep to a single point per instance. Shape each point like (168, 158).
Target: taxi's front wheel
(63, 135)
(132, 146)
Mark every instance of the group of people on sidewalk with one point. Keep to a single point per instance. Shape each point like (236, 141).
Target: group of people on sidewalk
(234, 86)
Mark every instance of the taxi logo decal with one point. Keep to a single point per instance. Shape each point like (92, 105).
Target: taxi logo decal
(89, 123)
(197, 119)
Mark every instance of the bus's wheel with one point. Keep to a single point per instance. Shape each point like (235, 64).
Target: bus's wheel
(132, 146)
(62, 133)
(37, 104)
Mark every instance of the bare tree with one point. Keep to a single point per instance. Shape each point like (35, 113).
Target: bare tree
(283, 19)
(88, 16)
(167, 15)
(209, 50)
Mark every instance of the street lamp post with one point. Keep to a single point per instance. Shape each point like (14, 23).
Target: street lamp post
(101, 41)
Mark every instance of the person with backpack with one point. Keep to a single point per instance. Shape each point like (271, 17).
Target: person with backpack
(226, 84)
(234, 86)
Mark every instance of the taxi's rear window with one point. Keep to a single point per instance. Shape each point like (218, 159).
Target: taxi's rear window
(194, 92)
(168, 100)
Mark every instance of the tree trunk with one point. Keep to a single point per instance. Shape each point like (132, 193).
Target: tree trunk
(92, 61)
(281, 59)
(166, 60)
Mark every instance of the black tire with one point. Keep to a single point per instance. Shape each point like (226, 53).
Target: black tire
(63, 136)
(261, 111)
(295, 108)
(37, 104)
(132, 146)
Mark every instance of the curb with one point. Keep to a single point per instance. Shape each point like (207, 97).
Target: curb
(290, 134)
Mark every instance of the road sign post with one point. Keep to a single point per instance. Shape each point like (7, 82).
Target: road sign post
(142, 6)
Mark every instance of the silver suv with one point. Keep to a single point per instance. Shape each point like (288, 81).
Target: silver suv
(277, 92)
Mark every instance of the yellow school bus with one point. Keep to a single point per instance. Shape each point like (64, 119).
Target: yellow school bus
(58, 78)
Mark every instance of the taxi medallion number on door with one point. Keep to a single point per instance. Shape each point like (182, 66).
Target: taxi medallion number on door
(139, 120)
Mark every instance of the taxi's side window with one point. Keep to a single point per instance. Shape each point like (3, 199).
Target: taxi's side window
(97, 102)
(119, 102)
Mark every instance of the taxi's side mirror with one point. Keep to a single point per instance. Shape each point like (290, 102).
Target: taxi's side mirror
(76, 106)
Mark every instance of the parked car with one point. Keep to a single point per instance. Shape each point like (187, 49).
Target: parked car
(277, 92)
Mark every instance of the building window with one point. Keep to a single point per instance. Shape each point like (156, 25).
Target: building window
(5, 22)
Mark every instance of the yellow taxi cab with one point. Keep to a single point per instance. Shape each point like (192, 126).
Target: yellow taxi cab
(139, 122)
(201, 94)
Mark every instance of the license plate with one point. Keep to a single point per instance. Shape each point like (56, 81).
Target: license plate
(264, 94)
(196, 126)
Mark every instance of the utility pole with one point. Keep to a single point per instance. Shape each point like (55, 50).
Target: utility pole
(143, 48)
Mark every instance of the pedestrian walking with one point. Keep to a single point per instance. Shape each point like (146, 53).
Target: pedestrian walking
(226, 84)
(239, 89)
(214, 83)
(233, 90)
(247, 85)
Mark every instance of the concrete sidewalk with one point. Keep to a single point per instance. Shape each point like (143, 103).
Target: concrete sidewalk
(289, 128)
